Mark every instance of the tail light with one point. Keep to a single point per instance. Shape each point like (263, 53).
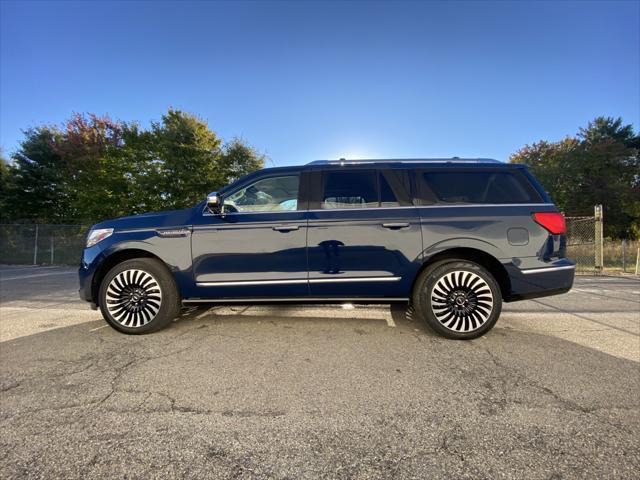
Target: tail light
(552, 221)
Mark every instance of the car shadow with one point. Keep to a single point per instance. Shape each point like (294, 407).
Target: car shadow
(398, 314)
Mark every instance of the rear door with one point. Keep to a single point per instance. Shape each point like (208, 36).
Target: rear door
(363, 237)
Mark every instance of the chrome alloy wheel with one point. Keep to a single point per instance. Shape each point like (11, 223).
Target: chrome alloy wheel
(461, 301)
(133, 298)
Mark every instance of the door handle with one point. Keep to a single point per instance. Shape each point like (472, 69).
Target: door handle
(286, 228)
(396, 226)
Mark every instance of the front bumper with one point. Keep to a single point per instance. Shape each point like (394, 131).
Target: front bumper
(91, 259)
(86, 281)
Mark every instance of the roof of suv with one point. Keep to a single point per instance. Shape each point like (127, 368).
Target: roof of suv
(387, 163)
(454, 160)
(394, 163)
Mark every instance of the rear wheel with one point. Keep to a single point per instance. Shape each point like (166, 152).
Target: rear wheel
(458, 299)
(139, 296)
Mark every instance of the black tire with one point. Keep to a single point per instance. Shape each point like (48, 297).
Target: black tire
(139, 296)
(458, 299)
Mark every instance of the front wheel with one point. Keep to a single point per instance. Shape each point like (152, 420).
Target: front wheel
(458, 299)
(139, 296)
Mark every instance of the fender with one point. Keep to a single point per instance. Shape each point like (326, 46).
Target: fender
(170, 245)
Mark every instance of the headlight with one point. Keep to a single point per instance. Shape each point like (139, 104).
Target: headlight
(96, 236)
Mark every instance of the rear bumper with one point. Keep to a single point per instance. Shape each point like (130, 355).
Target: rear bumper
(551, 279)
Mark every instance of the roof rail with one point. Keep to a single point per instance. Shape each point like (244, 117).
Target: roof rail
(343, 161)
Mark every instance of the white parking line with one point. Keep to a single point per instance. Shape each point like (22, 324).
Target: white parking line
(390, 321)
(98, 328)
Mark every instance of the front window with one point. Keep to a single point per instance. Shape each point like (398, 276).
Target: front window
(272, 194)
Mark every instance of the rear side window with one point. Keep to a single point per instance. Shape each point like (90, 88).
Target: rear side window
(349, 190)
(479, 187)
(363, 189)
(387, 197)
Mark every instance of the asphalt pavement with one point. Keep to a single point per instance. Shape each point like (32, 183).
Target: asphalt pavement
(318, 391)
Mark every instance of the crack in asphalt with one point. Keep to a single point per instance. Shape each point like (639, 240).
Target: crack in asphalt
(565, 403)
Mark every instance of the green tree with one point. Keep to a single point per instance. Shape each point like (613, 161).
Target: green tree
(137, 156)
(98, 178)
(238, 159)
(95, 168)
(600, 165)
(37, 185)
(5, 175)
(187, 157)
(548, 161)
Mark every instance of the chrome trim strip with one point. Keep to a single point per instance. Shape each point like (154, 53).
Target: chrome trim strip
(484, 205)
(358, 279)
(297, 281)
(297, 299)
(136, 230)
(251, 282)
(206, 214)
(548, 269)
(465, 205)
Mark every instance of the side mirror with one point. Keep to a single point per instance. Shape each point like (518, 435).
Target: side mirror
(213, 202)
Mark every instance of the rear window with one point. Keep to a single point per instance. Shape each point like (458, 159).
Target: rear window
(479, 187)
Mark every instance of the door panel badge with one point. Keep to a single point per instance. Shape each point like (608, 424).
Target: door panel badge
(173, 232)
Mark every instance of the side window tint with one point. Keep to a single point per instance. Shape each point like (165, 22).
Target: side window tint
(273, 194)
(387, 197)
(349, 190)
(480, 187)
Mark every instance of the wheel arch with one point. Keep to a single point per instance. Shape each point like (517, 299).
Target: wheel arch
(114, 259)
(481, 257)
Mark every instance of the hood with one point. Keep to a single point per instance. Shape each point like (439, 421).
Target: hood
(169, 218)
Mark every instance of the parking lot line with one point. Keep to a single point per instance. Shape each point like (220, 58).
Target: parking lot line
(98, 328)
(606, 293)
(390, 321)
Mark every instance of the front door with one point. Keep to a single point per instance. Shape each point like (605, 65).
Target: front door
(256, 246)
(364, 237)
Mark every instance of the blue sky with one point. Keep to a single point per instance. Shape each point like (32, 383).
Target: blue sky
(304, 81)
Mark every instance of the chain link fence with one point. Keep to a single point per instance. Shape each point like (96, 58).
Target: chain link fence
(621, 256)
(581, 243)
(29, 244)
(595, 254)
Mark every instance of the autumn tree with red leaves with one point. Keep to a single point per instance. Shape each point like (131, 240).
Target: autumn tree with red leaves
(93, 168)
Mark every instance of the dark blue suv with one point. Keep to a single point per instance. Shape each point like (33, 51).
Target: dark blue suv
(454, 238)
